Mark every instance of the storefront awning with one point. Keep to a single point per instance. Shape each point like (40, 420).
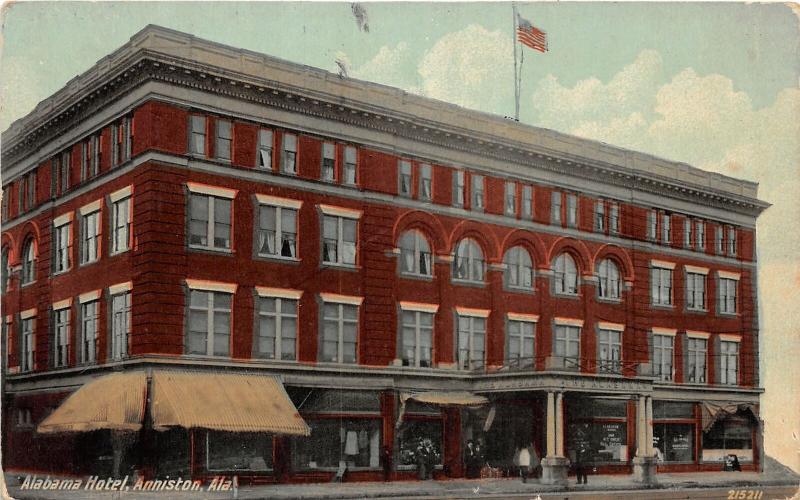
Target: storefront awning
(711, 412)
(446, 398)
(224, 402)
(114, 401)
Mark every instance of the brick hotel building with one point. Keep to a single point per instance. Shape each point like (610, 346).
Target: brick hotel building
(186, 222)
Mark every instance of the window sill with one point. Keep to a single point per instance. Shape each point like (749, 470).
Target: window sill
(25, 285)
(610, 300)
(341, 267)
(562, 295)
(519, 289)
(214, 250)
(278, 258)
(59, 273)
(696, 311)
(665, 307)
(418, 277)
(729, 315)
(89, 263)
(119, 252)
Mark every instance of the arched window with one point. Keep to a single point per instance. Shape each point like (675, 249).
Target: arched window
(415, 254)
(566, 275)
(5, 270)
(468, 262)
(28, 262)
(519, 268)
(609, 279)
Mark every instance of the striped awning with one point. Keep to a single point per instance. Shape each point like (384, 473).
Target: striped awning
(114, 401)
(225, 402)
(447, 398)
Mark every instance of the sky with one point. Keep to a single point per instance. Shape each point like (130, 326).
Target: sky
(716, 85)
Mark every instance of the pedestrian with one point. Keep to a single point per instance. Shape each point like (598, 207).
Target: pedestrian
(470, 460)
(524, 463)
(386, 461)
(580, 464)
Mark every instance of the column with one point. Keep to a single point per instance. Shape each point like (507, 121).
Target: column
(559, 424)
(551, 425)
(641, 433)
(649, 428)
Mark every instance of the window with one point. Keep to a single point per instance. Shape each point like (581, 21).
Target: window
(416, 338)
(651, 225)
(696, 357)
(425, 187)
(209, 330)
(666, 227)
(234, 452)
(264, 159)
(6, 270)
(63, 166)
(88, 341)
(566, 275)
(339, 240)
(5, 206)
(90, 157)
(663, 349)
(511, 199)
(572, 210)
(209, 221)
(613, 219)
(90, 237)
(6, 342)
(609, 351)
(120, 324)
(356, 441)
(28, 339)
(404, 181)
(61, 337)
(120, 224)
(277, 231)
(21, 199)
(222, 148)
(520, 351)
(28, 262)
(674, 441)
(519, 268)
(468, 262)
(718, 241)
(660, 286)
(729, 363)
(527, 202)
(687, 234)
(567, 346)
(471, 341)
(695, 291)
(477, 192)
(197, 139)
(732, 241)
(600, 216)
(277, 328)
(350, 165)
(31, 185)
(121, 139)
(458, 188)
(608, 272)
(732, 434)
(700, 235)
(62, 245)
(555, 207)
(289, 165)
(339, 332)
(328, 162)
(415, 254)
(727, 295)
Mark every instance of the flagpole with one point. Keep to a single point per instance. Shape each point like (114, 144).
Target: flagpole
(516, 74)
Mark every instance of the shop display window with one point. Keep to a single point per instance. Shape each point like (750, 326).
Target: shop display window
(674, 442)
(355, 442)
(419, 439)
(730, 436)
(234, 451)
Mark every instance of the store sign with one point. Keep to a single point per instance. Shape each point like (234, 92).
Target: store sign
(589, 384)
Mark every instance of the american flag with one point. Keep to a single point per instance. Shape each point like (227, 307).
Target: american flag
(529, 35)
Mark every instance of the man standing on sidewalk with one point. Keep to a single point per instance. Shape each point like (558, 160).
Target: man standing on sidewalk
(524, 463)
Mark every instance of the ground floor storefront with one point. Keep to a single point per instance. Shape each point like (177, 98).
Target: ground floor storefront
(374, 434)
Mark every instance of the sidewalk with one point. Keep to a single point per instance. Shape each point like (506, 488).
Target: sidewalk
(408, 489)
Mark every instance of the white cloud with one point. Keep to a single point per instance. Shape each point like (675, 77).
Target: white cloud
(390, 66)
(468, 67)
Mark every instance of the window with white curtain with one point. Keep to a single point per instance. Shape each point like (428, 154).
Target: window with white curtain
(565, 275)
(471, 333)
(696, 291)
(511, 199)
(277, 231)
(519, 268)
(609, 351)
(415, 254)
(608, 274)
(339, 240)
(567, 345)
(416, 338)
(289, 164)
(660, 286)
(696, 360)
(729, 362)
(663, 350)
(468, 262)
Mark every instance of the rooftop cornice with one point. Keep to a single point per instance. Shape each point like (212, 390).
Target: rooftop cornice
(181, 59)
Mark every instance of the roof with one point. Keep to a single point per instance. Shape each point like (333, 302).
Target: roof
(445, 119)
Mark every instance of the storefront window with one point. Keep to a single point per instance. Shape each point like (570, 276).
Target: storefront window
(602, 441)
(731, 436)
(674, 442)
(356, 442)
(231, 451)
(417, 438)
(669, 409)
